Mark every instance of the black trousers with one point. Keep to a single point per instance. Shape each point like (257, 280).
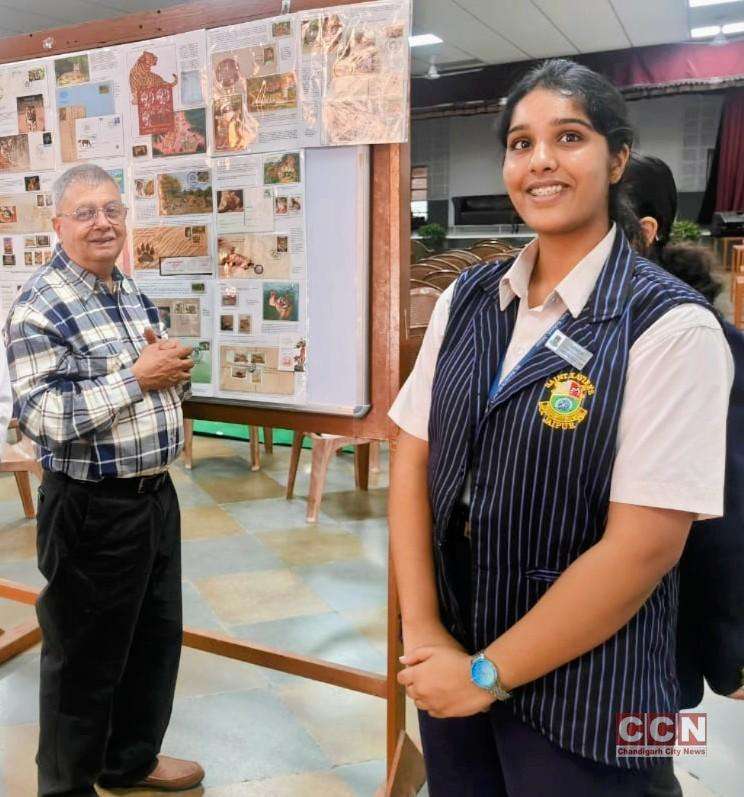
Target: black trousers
(496, 754)
(111, 624)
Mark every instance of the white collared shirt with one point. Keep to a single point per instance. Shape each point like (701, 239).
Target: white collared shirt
(671, 442)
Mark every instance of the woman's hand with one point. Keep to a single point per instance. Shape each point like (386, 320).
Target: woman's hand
(430, 634)
(437, 679)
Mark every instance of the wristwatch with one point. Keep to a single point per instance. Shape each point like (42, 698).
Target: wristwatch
(485, 675)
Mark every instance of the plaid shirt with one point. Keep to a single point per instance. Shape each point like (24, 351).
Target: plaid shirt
(71, 345)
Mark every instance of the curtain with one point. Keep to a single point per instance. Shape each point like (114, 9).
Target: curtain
(641, 72)
(708, 208)
(730, 189)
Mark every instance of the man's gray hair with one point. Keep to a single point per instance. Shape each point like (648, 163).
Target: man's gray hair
(87, 173)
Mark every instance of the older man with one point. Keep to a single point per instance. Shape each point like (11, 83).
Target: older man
(101, 396)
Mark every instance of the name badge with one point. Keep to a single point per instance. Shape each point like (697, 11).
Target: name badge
(568, 350)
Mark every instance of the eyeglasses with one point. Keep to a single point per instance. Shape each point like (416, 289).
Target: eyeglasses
(114, 212)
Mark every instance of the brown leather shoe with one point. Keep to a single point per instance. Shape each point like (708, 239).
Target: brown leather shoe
(173, 774)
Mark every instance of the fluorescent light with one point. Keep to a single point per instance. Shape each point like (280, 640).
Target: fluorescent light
(704, 33)
(700, 3)
(423, 39)
(733, 27)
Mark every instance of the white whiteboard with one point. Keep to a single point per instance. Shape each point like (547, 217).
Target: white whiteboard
(337, 188)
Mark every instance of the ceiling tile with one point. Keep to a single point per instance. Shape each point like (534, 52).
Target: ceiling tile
(459, 28)
(600, 28)
(657, 22)
(440, 54)
(521, 23)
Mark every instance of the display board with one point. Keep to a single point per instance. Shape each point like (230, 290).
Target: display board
(336, 193)
(389, 240)
(246, 227)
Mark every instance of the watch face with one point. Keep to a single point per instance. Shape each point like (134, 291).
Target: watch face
(483, 673)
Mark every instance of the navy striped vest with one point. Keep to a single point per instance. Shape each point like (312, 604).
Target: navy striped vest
(540, 493)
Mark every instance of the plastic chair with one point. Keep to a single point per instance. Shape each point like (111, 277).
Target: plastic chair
(19, 458)
(325, 446)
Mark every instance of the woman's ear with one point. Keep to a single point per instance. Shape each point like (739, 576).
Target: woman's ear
(650, 227)
(618, 162)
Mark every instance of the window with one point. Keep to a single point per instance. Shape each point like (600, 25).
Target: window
(420, 192)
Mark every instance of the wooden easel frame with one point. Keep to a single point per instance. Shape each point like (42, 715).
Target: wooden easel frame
(389, 242)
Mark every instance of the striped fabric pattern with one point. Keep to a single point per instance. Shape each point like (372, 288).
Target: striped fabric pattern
(540, 495)
(71, 345)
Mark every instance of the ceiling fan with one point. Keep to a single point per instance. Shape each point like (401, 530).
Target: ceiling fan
(434, 73)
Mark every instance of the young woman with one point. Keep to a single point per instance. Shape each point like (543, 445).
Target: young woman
(562, 428)
(710, 628)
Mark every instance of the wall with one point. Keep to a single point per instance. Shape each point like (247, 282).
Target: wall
(464, 156)
(475, 156)
(679, 130)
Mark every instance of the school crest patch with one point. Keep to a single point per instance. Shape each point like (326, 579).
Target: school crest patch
(564, 407)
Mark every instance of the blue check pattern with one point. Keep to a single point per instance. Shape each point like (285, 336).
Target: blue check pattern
(71, 344)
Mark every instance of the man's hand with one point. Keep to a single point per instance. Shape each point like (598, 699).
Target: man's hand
(162, 363)
(438, 680)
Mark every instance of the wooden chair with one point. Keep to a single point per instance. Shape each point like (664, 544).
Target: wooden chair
(737, 265)
(498, 242)
(442, 279)
(725, 246)
(19, 458)
(422, 304)
(324, 448)
(465, 254)
(422, 284)
(188, 444)
(486, 251)
(422, 270)
(738, 283)
(418, 250)
(449, 262)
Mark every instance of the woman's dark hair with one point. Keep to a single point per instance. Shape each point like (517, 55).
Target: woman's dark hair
(603, 105)
(653, 192)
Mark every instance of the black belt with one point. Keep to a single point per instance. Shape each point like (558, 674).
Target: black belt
(137, 485)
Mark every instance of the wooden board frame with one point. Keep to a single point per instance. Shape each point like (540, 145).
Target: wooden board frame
(389, 274)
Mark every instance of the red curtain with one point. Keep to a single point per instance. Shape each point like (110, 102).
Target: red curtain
(730, 191)
(643, 71)
(671, 64)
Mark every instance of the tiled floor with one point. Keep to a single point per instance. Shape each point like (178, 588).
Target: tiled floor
(255, 570)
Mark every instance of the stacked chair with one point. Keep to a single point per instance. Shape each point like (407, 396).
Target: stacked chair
(431, 274)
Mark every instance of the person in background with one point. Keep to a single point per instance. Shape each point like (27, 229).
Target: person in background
(101, 397)
(552, 456)
(710, 628)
